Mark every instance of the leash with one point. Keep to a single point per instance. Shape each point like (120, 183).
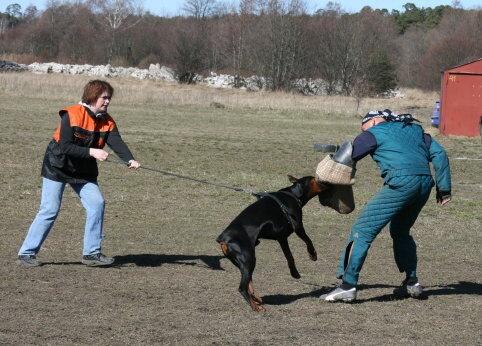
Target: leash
(251, 192)
(466, 158)
(258, 195)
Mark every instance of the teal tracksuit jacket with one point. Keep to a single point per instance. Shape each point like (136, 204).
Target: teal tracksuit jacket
(403, 153)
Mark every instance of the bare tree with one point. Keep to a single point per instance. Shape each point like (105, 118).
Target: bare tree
(30, 13)
(279, 48)
(4, 22)
(234, 35)
(237, 42)
(190, 50)
(78, 41)
(49, 30)
(455, 41)
(115, 13)
(414, 43)
(337, 56)
(346, 44)
(199, 9)
(446, 53)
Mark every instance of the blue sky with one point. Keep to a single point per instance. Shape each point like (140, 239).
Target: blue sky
(172, 7)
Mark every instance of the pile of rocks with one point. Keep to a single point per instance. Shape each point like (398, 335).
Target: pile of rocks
(103, 71)
(157, 72)
(11, 66)
(307, 87)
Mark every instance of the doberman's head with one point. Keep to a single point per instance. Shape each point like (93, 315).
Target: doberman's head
(306, 188)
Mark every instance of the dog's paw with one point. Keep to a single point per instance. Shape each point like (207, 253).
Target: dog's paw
(295, 274)
(258, 308)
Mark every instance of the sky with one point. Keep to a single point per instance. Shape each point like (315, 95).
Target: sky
(172, 7)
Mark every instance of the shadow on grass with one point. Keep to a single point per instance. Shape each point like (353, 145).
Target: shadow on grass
(156, 260)
(283, 299)
(460, 288)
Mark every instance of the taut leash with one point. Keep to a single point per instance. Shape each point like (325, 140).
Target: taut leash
(466, 158)
(291, 219)
(256, 194)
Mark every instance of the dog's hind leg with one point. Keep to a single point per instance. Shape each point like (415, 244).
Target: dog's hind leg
(257, 298)
(289, 257)
(309, 244)
(246, 285)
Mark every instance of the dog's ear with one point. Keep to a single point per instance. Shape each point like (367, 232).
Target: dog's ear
(292, 179)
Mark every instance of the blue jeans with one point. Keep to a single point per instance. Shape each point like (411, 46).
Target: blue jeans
(52, 191)
(399, 204)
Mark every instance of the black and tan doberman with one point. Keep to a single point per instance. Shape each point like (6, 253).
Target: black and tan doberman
(276, 215)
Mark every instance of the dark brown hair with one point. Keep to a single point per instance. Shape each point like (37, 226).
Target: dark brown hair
(94, 89)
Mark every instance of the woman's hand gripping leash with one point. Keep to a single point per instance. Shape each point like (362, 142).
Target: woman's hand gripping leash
(103, 155)
(133, 164)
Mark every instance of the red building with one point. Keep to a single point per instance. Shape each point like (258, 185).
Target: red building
(461, 101)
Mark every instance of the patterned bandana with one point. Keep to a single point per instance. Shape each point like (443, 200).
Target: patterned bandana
(388, 115)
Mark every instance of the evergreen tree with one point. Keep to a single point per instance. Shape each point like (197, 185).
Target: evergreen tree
(381, 74)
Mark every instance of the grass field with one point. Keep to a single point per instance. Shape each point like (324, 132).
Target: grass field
(171, 284)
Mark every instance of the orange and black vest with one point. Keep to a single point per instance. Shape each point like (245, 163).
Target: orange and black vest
(89, 131)
(67, 156)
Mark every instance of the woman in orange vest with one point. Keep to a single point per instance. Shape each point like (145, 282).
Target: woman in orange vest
(70, 158)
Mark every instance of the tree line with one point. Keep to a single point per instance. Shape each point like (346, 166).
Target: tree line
(358, 54)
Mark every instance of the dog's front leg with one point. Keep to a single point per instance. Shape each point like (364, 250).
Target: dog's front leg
(289, 257)
(300, 232)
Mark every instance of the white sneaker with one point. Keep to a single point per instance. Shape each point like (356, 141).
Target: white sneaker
(409, 288)
(343, 293)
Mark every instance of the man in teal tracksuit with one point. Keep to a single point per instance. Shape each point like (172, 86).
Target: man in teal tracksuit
(403, 153)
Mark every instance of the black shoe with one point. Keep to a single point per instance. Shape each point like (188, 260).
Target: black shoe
(29, 261)
(97, 260)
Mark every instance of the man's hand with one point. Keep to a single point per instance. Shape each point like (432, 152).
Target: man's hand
(446, 200)
(443, 197)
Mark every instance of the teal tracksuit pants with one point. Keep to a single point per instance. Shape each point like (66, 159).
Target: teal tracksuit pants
(399, 202)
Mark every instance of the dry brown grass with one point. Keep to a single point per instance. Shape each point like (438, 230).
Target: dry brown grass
(58, 86)
(25, 59)
(172, 286)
